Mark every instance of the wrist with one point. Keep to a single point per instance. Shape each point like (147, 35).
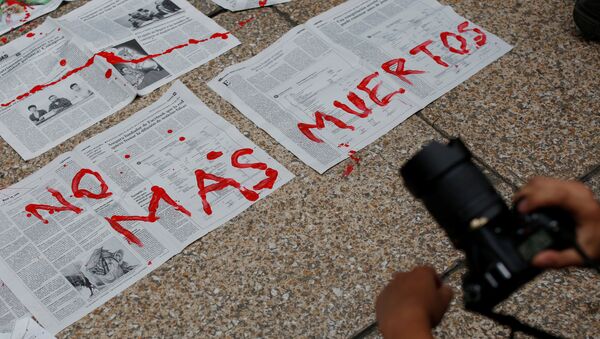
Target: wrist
(412, 324)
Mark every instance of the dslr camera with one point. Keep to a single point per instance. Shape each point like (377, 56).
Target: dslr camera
(498, 242)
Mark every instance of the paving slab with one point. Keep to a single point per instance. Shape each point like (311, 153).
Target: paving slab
(536, 111)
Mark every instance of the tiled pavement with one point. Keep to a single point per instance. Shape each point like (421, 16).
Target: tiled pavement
(308, 260)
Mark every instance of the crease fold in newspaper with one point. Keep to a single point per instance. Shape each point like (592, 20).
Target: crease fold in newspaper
(79, 54)
(124, 202)
(334, 85)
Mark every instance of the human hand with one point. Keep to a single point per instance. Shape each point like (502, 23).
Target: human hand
(412, 303)
(573, 197)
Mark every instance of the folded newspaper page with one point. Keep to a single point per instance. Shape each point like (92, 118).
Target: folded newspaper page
(74, 71)
(97, 219)
(26, 328)
(239, 5)
(348, 76)
(14, 13)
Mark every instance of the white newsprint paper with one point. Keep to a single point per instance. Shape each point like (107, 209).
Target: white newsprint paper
(334, 63)
(53, 84)
(11, 309)
(16, 13)
(65, 268)
(240, 5)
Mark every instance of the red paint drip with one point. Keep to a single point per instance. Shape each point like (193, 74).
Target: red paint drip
(30, 35)
(344, 145)
(63, 62)
(214, 155)
(245, 22)
(127, 156)
(23, 5)
(262, 3)
(170, 131)
(28, 215)
(108, 73)
(182, 139)
(149, 263)
(33, 209)
(350, 167)
(4, 40)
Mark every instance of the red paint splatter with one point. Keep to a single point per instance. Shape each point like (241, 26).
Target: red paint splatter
(181, 138)
(149, 263)
(23, 5)
(221, 183)
(320, 119)
(245, 22)
(80, 193)
(28, 215)
(344, 145)
(22, 29)
(4, 40)
(350, 167)
(66, 206)
(214, 155)
(30, 35)
(63, 62)
(262, 3)
(170, 131)
(158, 194)
(127, 156)
(269, 172)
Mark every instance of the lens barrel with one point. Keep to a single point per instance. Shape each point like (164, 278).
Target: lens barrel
(453, 189)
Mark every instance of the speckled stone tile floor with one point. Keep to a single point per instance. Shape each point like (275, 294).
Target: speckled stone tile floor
(309, 260)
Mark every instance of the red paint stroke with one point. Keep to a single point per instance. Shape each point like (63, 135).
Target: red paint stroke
(108, 73)
(127, 156)
(221, 183)
(63, 62)
(113, 59)
(66, 206)
(213, 155)
(396, 67)
(320, 119)
(350, 167)
(245, 22)
(358, 102)
(23, 5)
(462, 50)
(271, 174)
(80, 193)
(480, 39)
(423, 48)
(30, 35)
(182, 139)
(158, 194)
(372, 92)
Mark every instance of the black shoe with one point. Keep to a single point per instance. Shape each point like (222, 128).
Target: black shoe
(587, 18)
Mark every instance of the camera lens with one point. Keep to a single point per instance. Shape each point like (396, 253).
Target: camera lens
(452, 188)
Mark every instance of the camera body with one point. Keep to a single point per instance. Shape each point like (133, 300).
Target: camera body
(497, 241)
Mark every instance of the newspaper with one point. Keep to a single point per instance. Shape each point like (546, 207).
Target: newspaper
(239, 5)
(345, 78)
(26, 328)
(74, 71)
(16, 13)
(11, 309)
(150, 186)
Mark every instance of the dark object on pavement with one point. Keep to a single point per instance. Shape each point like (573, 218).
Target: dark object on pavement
(587, 18)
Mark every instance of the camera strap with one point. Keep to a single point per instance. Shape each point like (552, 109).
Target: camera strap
(516, 325)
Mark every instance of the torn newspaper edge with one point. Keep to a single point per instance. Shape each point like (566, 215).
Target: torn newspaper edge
(96, 220)
(74, 71)
(240, 5)
(348, 76)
